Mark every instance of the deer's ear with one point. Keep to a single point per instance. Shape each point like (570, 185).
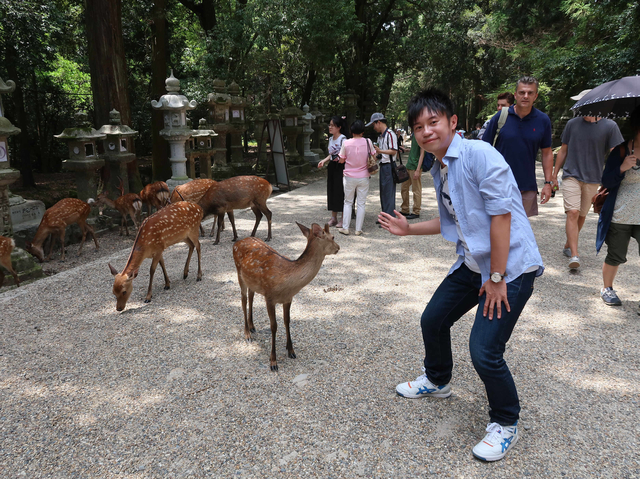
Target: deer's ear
(317, 230)
(304, 229)
(113, 270)
(326, 228)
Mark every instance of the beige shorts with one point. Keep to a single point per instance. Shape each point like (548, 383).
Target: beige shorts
(530, 202)
(577, 195)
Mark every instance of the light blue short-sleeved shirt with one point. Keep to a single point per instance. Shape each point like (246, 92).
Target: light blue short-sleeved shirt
(482, 185)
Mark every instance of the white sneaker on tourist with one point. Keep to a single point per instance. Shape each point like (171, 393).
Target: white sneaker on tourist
(358, 233)
(421, 388)
(498, 441)
(574, 263)
(343, 231)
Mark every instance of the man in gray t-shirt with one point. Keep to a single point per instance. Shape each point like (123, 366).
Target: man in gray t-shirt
(586, 142)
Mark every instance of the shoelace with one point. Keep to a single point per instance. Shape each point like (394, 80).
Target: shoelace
(609, 293)
(495, 432)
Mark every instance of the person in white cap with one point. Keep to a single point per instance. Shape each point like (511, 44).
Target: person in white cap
(386, 150)
(586, 142)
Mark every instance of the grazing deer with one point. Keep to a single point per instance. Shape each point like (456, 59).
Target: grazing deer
(237, 193)
(55, 222)
(126, 204)
(172, 224)
(156, 195)
(6, 247)
(262, 270)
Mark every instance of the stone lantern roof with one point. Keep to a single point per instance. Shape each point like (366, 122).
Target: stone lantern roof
(116, 127)
(234, 89)
(172, 100)
(84, 130)
(203, 130)
(291, 111)
(7, 128)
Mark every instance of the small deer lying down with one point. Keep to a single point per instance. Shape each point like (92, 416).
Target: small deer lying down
(262, 270)
(6, 247)
(237, 193)
(172, 224)
(55, 222)
(156, 195)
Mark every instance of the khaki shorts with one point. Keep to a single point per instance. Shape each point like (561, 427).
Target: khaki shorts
(530, 202)
(577, 195)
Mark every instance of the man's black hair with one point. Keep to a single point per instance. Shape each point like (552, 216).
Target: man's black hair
(434, 100)
(357, 127)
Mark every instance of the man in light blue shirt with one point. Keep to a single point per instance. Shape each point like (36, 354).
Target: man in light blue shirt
(481, 211)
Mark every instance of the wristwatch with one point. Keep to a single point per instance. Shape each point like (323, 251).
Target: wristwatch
(497, 277)
(548, 183)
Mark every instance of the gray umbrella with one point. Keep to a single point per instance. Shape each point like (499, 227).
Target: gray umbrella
(614, 99)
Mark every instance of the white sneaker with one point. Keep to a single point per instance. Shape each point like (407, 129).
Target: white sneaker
(421, 388)
(574, 263)
(567, 252)
(498, 441)
(343, 231)
(358, 233)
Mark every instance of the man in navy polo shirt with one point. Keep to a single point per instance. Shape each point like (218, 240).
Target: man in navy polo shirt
(526, 131)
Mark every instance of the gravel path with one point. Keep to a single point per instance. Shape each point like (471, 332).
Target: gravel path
(171, 389)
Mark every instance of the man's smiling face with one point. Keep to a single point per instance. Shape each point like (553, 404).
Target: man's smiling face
(434, 131)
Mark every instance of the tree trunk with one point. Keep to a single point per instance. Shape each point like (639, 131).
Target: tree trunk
(108, 68)
(160, 161)
(312, 75)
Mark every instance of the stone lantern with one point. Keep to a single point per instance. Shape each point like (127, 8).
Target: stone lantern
(238, 127)
(307, 130)
(7, 174)
(350, 106)
(83, 155)
(291, 128)
(175, 130)
(117, 150)
(259, 119)
(218, 103)
(202, 148)
(318, 137)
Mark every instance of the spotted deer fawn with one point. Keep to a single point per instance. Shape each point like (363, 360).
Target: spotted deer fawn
(193, 191)
(237, 193)
(126, 204)
(262, 270)
(6, 247)
(55, 222)
(172, 224)
(155, 195)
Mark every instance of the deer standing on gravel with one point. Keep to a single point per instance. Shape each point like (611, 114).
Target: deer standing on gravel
(126, 204)
(261, 269)
(172, 224)
(156, 195)
(55, 222)
(6, 247)
(237, 193)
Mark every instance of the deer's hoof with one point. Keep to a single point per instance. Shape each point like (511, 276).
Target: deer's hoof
(267, 239)
(199, 278)
(253, 330)
(185, 276)
(274, 367)
(292, 355)
(168, 287)
(249, 339)
(147, 300)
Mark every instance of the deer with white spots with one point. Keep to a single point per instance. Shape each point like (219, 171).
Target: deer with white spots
(261, 269)
(156, 195)
(237, 193)
(55, 222)
(6, 247)
(172, 224)
(126, 204)
(193, 191)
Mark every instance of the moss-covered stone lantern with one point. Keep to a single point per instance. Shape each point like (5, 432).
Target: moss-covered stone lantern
(117, 150)
(84, 160)
(202, 148)
(292, 128)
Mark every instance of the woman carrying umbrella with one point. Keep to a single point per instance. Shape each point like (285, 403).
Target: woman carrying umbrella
(620, 215)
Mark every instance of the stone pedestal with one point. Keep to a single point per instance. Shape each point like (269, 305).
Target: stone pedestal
(25, 265)
(86, 173)
(318, 136)
(117, 151)
(292, 129)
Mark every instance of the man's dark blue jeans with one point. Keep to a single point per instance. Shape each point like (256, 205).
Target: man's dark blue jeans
(456, 295)
(387, 189)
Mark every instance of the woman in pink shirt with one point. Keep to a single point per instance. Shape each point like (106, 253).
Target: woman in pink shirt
(354, 154)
